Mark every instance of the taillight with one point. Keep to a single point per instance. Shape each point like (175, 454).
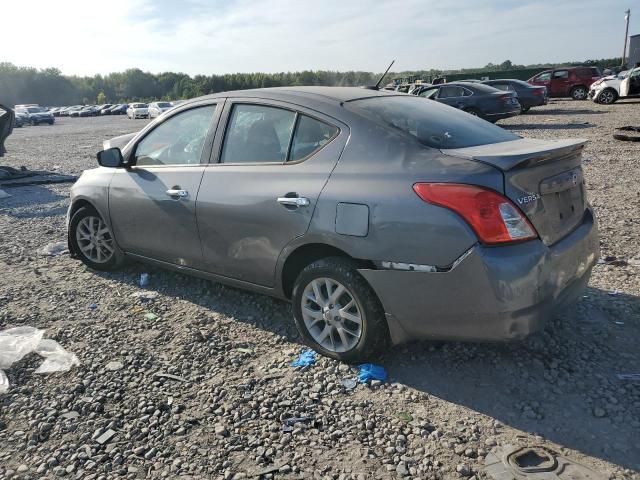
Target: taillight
(538, 91)
(493, 217)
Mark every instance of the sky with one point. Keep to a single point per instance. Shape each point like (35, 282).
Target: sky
(86, 37)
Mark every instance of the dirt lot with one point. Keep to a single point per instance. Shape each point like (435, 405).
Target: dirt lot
(446, 405)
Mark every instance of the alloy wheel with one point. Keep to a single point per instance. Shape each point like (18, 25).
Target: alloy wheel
(94, 239)
(580, 93)
(331, 315)
(607, 97)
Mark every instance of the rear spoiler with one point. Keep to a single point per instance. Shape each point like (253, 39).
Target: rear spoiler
(520, 153)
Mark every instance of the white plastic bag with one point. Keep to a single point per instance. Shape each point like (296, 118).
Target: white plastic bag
(57, 359)
(17, 342)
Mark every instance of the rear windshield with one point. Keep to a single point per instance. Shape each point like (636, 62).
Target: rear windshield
(433, 124)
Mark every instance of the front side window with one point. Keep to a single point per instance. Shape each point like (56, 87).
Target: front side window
(310, 136)
(428, 93)
(561, 74)
(543, 77)
(178, 140)
(257, 134)
(451, 91)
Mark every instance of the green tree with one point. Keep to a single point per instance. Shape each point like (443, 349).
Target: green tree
(101, 99)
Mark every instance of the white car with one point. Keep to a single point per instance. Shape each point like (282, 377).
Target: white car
(138, 110)
(158, 108)
(609, 89)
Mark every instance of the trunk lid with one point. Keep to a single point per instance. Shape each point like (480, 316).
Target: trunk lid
(542, 177)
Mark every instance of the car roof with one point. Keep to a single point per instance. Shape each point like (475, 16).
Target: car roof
(322, 94)
(481, 87)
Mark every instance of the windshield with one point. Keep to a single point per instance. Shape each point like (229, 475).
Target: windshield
(139, 105)
(164, 104)
(34, 109)
(432, 123)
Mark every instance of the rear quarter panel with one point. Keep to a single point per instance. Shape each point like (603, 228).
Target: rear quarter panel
(378, 168)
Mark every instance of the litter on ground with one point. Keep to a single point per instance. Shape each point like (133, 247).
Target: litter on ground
(369, 371)
(16, 343)
(306, 359)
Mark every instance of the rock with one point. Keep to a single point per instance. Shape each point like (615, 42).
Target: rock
(599, 412)
(114, 365)
(464, 469)
(221, 430)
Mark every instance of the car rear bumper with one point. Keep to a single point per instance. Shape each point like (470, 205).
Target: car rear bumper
(493, 294)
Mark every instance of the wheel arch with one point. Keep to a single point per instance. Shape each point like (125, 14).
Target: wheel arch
(305, 254)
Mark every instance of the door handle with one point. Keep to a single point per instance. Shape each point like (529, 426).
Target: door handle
(294, 201)
(175, 192)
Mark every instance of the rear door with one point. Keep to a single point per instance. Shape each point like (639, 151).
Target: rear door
(560, 83)
(452, 95)
(152, 203)
(272, 161)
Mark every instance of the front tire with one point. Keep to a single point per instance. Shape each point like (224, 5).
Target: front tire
(92, 241)
(608, 96)
(337, 313)
(579, 93)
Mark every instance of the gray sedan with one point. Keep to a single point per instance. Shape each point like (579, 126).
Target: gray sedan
(474, 98)
(382, 217)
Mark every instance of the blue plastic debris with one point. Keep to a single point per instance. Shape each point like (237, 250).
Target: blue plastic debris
(144, 280)
(369, 371)
(306, 358)
(93, 306)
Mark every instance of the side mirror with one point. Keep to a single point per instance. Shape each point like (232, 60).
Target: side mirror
(112, 157)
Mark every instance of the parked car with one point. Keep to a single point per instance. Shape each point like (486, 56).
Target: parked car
(64, 112)
(138, 110)
(571, 82)
(475, 98)
(118, 109)
(36, 115)
(105, 109)
(528, 95)
(75, 111)
(158, 108)
(432, 224)
(607, 90)
(20, 119)
(88, 111)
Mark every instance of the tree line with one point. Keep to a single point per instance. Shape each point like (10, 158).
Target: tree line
(50, 87)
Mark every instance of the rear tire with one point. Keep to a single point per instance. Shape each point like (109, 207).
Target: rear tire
(473, 111)
(579, 93)
(91, 240)
(337, 312)
(524, 109)
(608, 96)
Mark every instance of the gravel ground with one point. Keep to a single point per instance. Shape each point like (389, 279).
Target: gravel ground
(227, 352)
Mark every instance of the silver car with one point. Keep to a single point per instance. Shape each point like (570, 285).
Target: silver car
(383, 217)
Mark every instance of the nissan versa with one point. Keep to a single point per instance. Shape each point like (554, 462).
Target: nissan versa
(382, 216)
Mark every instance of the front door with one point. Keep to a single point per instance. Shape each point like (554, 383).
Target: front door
(274, 160)
(559, 85)
(152, 202)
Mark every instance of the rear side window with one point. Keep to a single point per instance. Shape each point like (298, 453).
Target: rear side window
(257, 134)
(310, 136)
(502, 86)
(431, 123)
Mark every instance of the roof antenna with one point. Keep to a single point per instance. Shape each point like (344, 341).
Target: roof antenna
(377, 87)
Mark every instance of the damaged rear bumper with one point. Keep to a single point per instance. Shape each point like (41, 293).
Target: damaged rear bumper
(493, 294)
